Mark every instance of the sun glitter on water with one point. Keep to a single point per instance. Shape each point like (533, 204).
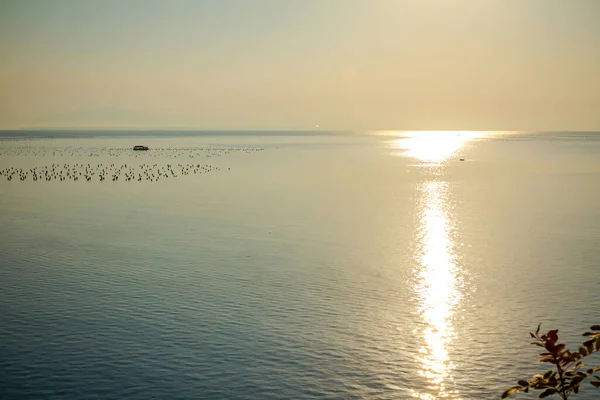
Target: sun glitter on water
(432, 147)
(437, 290)
(437, 284)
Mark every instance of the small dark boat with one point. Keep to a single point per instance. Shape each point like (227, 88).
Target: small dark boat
(141, 148)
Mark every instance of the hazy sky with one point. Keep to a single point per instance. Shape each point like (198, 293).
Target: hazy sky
(273, 64)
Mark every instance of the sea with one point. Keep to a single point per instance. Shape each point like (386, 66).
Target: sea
(292, 264)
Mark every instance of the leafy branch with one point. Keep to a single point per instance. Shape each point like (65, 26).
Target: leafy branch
(568, 372)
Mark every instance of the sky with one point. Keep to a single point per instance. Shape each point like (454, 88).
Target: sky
(299, 64)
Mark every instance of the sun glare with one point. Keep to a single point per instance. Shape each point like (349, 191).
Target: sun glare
(433, 147)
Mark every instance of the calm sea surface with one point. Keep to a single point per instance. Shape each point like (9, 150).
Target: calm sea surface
(292, 265)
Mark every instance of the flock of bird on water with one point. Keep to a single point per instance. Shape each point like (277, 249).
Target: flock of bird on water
(101, 172)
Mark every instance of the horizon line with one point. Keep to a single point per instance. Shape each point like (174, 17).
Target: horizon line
(198, 129)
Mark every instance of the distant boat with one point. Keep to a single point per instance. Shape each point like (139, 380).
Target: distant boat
(141, 148)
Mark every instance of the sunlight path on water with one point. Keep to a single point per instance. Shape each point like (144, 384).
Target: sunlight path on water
(437, 274)
(437, 290)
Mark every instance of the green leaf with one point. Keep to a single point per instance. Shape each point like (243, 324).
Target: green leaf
(538, 329)
(523, 383)
(590, 347)
(576, 380)
(510, 391)
(547, 393)
(548, 374)
(595, 327)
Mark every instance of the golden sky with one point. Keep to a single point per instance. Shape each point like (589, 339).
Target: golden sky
(272, 64)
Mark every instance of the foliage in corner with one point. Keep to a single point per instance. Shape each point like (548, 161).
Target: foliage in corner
(568, 372)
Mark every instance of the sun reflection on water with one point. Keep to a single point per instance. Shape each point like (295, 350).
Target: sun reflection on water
(437, 290)
(433, 147)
